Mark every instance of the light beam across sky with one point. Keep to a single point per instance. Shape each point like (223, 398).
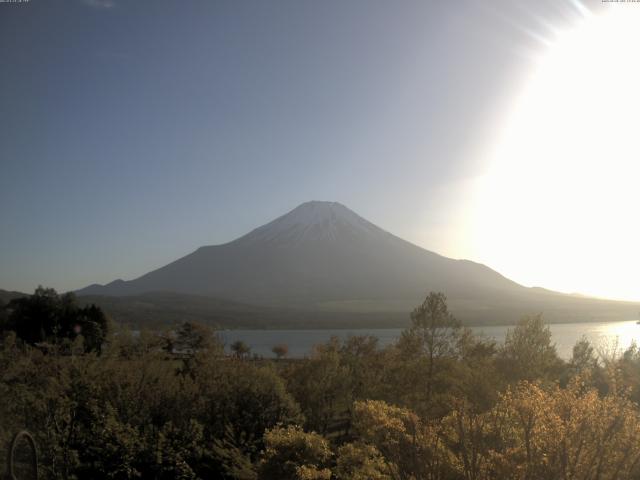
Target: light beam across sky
(558, 204)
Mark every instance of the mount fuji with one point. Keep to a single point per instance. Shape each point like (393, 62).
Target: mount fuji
(323, 257)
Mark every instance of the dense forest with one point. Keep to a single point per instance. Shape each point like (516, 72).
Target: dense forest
(439, 404)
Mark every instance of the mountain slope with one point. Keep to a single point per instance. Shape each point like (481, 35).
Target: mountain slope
(160, 309)
(318, 252)
(7, 296)
(322, 256)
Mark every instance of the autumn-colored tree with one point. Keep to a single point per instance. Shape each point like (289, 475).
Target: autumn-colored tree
(292, 454)
(280, 351)
(412, 447)
(359, 461)
(537, 433)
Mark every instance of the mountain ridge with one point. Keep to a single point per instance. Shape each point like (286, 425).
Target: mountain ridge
(322, 256)
(314, 239)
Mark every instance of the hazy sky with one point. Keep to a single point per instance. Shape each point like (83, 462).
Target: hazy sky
(135, 131)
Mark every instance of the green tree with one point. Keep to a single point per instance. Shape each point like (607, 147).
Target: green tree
(193, 342)
(4, 316)
(426, 351)
(240, 349)
(527, 353)
(364, 363)
(191, 338)
(584, 358)
(93, 325)
(474, 378)
(46, 316)
(237, 401)
(321, 386)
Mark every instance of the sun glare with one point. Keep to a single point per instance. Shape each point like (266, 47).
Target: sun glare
(558, 205)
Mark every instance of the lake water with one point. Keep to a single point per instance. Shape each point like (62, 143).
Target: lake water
(604, 335)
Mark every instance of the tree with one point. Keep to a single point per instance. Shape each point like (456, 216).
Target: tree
(584, 361)
(429, 343)
(321, 385)
(411, 447)
(292, 454)
(365, 364)
(626, 370)
(46, 316)
(538, 433)
(194, 337)
(527, 353)
(359, 461)
(280, 351)
(475, 377)
(236, 402)
(240, 349)
(4, 316)
(193, 342)
(92, 324)
(436, 327)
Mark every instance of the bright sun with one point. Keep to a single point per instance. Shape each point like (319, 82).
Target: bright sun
(559, 204)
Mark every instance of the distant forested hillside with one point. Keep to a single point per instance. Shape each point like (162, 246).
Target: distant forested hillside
(6, 296)
(159, 309)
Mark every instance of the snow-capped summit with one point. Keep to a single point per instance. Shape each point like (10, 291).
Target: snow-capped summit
(318, 252)
(313, 221)
(322, 257)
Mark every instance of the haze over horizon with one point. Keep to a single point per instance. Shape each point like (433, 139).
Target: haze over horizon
(125, 148)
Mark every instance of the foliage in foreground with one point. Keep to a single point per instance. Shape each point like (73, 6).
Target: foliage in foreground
(441, 404)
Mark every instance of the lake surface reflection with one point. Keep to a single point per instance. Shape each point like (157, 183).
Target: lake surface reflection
(604, 335)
